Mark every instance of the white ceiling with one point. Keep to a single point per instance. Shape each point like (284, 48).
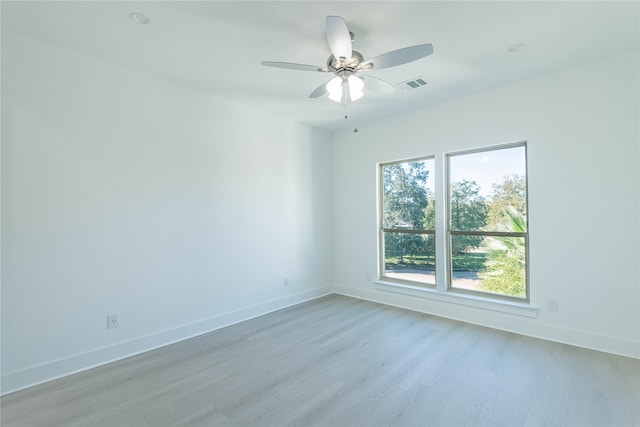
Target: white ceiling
(217, 46)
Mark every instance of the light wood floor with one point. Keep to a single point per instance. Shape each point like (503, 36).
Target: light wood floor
(338, 361)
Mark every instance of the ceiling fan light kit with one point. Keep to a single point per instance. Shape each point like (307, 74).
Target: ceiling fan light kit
(341, 89)
(347, 64)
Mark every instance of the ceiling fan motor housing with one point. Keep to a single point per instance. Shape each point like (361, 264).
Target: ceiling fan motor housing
(344, 68)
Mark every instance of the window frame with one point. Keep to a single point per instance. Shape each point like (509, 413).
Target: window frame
(382, 230)
(450, 233)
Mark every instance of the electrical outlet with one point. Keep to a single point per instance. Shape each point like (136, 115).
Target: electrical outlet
(367, 276)
(286, 282)
(552, 304)
(112, 321)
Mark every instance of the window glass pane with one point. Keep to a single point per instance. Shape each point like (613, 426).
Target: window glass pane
(494, 264)
(487, 189)
(408, 195)
(410, 257)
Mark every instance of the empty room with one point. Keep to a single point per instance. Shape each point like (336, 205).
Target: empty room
(315, 213)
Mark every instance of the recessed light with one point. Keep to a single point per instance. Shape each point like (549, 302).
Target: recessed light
(516, 46)
(139, 18)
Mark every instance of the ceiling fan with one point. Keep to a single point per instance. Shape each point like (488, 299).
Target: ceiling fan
(347, 65)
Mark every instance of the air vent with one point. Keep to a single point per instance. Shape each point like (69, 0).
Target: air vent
(414, 83)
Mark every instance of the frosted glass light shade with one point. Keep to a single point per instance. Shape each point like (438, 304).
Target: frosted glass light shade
(334, 87)
(356, 85)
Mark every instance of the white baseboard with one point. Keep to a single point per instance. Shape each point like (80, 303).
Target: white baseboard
(515, 324)
(18, 380)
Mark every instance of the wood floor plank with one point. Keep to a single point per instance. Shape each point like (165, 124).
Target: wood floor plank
(339, 361)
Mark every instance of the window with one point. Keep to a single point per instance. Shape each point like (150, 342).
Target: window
(487, 222)
(467, 227)
(407, 217)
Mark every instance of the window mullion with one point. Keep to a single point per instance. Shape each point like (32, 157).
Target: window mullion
(441, 225)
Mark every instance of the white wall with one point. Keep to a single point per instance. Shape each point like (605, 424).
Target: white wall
(583, 154)
(123, 193)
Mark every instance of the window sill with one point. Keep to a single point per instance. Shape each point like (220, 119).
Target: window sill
(486, 303)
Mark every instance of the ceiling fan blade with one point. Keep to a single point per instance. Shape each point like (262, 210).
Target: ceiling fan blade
(338, 37)
(377, 85)
(400, 56)
(293, 66)
(320, 90)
